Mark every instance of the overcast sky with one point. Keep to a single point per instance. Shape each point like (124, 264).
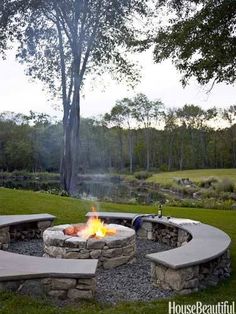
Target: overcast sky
(159, 81)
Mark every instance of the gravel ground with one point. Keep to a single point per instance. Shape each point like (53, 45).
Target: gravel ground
(130, 282)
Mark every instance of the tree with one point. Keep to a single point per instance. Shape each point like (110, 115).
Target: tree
(121, 117)
(62, 41)
(200, 39)
(229, 115)
(146, 112)
(170, 119)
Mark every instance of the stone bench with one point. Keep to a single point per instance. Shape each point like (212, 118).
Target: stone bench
(21, 227)
(199, 256)
(39, 276)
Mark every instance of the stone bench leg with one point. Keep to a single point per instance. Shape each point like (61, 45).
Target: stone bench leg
(190, 279)
(4, 238)
(60, 288)
(181, 281)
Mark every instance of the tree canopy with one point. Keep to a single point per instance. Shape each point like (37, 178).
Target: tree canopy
(200, 38)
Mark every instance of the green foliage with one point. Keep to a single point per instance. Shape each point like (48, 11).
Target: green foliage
(196, 175)
(187, 142)
(200, 39)
(68, 210)
(226, 185)
(207, 182)
(163, 167)
(142, 175)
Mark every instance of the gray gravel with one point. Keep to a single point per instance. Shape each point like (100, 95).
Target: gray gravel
(32, 247)
(130, 282)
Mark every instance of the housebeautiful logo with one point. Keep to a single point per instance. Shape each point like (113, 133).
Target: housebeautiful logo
(224, 307)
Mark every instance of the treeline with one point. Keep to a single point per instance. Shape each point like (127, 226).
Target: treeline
(137, 134)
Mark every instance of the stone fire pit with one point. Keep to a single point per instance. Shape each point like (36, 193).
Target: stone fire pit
(111, 251)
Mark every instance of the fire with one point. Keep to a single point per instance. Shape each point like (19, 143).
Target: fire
(93, 228)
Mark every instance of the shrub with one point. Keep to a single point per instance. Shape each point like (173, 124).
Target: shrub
(142, 175)
(208, 182)
(164, 168)
(226, 185)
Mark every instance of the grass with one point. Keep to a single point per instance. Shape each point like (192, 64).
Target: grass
(71, 210)
(193, 175)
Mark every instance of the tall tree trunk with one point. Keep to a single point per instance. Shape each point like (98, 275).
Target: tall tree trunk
(70, 162)
(130, 153)
(74, 140)
(170, 152)
(148, 149)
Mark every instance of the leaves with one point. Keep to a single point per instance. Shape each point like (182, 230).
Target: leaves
(200, 40)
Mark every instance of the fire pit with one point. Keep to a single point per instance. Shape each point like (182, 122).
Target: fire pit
(113, 245)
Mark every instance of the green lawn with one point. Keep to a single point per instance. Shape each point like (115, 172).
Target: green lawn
(194, 175)
(71, 210)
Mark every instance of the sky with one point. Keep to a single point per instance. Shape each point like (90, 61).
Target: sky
(159, 81)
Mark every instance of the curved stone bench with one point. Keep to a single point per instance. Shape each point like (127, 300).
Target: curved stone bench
(23, 226)
(59, 278)
(199, 256)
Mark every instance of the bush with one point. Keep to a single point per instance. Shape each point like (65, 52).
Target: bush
(142, 175)
(164, 168)
(226, 185)
(208, 182)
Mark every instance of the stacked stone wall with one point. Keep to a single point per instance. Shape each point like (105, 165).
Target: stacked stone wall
(60, 288)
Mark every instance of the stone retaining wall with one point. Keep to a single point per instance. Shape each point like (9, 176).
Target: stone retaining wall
(23, 231)
(185, 280)
(110, 251)
(60, 288)
(162, 233)
(191, 279)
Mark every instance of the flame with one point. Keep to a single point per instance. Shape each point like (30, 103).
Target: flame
(93, 228)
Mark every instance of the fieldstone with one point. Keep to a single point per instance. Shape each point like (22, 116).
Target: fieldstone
(128, 250)
(11, 285)
(112, 252)
(202, 286)
(44, 224)
(95, 253)
(160, 272)
(54, 238)
(59, 227)
(142, 233)
(60, 294)
(84, 253)
(193, 283)
(4, 238)
(150, 235)
(73, 255)
(185, 291)
(188, 273)
(76, 242)
(114, 262)
(85, 287)
(32, 287)
(174, 279)
(4, 230)
(90, 282)
(147, 226)
(75, 294)
(164, 286)
(95, 244)
(54, 251)
(212, 282)
(5, 246)
(153, 271)
(59, 283)
(118, 242)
